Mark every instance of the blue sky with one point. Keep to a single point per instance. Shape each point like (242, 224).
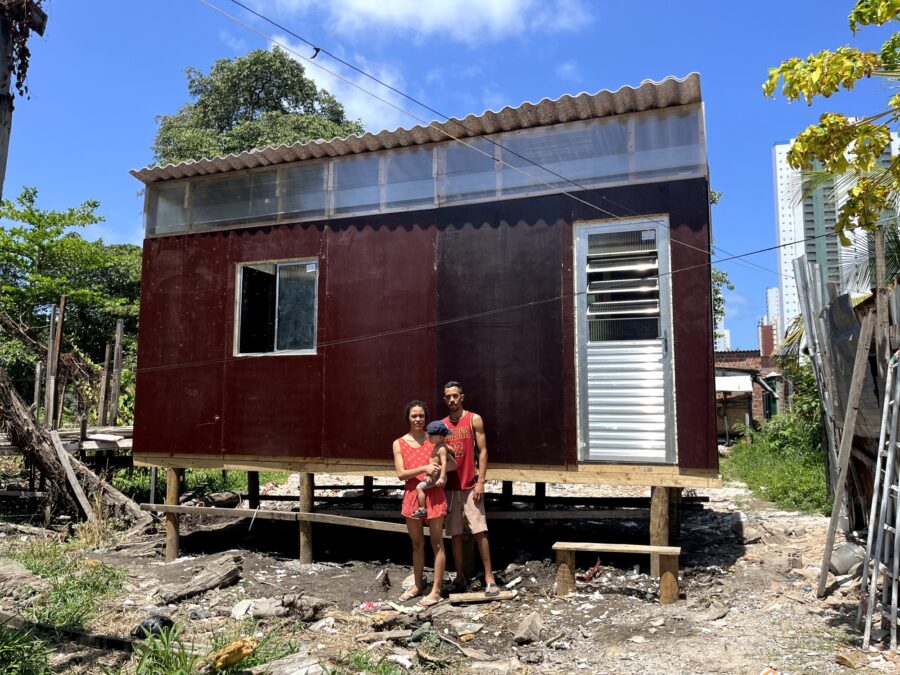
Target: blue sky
(104, 70)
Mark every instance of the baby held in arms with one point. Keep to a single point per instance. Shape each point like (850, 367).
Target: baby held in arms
(436, 431)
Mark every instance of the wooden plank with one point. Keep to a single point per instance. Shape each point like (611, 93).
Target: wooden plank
(615, 548)
(173, 491)
(398, 634)
(312, 517)
(459, 598)
(608, 474)
(214, 512)
(860, 367)
(70, 475)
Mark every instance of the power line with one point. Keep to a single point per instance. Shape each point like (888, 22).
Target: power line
(485, 313)
(318, 50)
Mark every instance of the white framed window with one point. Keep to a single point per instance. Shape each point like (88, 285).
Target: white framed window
(277, 307)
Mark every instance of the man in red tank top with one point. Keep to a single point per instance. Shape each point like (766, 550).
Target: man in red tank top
(465, 486)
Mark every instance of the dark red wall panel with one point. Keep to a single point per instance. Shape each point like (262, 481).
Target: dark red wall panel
(510, 361)
(379, 353)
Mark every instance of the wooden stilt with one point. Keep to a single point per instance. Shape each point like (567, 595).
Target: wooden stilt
(173, 492)
(253, 489)
(565, 572)
(104, 378)
(307, 487)
(540, 496)
(507, 496)
(368, 491)
(668, 579)
(659, 524)
(154, 474)
(116, 385)
(674, 516)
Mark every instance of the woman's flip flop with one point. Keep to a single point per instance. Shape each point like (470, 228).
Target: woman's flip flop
(491, 589)
(427, 602)
(409, 594)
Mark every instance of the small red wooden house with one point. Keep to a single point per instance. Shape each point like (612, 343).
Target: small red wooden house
(554, 258)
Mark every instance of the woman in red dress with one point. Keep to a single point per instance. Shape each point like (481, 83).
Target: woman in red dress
(413, 460)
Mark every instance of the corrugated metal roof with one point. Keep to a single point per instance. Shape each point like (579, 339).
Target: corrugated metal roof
(650, 95)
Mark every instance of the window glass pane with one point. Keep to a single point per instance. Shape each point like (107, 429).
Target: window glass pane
(297, 306)
(667, 143)
(221, 200)
(263, 200)
(469, 174)
(303, 190)
(408, 177)
(356, 184)
(171, 216)
(257, 329)
(584, 154)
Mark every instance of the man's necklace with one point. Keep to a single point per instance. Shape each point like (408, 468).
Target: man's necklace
(455, 421)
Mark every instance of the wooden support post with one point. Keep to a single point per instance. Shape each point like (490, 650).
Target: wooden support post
(540, 496)
(173, 492)
(668, 579)
(37, 389)
(154, 473)
(507, 496)
(50, 384)
(368, 490)
(253, 489)
(659, 524)
(307, 488)
(60, 404)
(674, 516)
(116, 375)
(104, 378)
(860, 367)
(565, 573)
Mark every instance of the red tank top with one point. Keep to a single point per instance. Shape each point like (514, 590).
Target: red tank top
(462, 442)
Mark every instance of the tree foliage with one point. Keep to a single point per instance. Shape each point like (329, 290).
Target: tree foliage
(257, 100)
(42, 257)
(844, 146)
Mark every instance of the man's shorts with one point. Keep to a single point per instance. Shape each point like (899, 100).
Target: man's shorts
(462, 503)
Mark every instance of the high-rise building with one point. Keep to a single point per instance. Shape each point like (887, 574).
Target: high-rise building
(805, 226)
(773, 313)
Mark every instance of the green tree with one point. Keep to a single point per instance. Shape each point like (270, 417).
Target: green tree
(42, 257)
(261, 99)
(847, 148)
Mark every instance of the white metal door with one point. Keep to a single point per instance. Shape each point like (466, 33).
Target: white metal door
(626, 392)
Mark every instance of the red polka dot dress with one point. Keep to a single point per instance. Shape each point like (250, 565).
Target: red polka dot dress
(435, 500)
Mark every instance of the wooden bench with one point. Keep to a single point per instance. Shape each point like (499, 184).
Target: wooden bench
(668, 565)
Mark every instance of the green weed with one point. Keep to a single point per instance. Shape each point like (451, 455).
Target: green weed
(77, 584)
(22, 653)
(165, 653)
(360, 661)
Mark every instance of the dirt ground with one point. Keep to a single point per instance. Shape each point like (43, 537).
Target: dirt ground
(745, 606)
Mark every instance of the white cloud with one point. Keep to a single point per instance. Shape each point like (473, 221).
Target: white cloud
(358, 104)
(235, 44)
(737, 305)
(568, 71)
(468, 21)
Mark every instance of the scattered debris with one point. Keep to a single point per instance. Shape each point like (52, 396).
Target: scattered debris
(529, 629)
(851, 658)
(152, 625)
(222, 571)
(232, 653)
